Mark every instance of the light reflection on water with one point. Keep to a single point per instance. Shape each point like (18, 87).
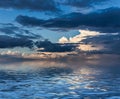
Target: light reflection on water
(38, 80)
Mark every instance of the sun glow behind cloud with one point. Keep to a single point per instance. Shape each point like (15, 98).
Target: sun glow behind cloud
(84, 34)
(89, 47)
(76, 39)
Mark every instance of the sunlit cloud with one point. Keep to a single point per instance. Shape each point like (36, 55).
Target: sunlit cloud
(76, 39)
(84, 34)
(63, 40)
(89, 47)
(85, 42)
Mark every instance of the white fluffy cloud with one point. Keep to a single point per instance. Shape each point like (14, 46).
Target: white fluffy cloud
(76, 39)
(63, 40)
(83, 35)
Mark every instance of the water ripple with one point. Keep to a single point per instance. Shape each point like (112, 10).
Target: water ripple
(60, 83)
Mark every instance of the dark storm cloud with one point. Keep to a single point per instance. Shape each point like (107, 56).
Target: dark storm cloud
(12, 30)
(10, 42)
(46, 5)
(111, 43)
(29, 21)
(102, 39)
(54, 47)
(102, 20)
(83, 3)
(26, 41)
(33, 5)
(13, 36)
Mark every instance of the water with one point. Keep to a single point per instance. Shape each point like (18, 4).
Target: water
(53, 80)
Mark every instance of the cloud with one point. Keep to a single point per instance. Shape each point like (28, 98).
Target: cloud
(48, 46)
(16, 31)
(78, 38)
(82, 46)
(95, 42)
(63, 40)
(32, 5)
(106, 20)
(40, 46)
(87, 41)
(47, 5)
(74, 61)
(29, 21)
(83, 3)
(10, 42)
(13, 36)
(102, 39)
(110, 42)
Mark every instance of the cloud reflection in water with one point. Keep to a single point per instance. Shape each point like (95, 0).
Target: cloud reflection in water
(68, 79)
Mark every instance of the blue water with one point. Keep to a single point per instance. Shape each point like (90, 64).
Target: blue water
(59, 81)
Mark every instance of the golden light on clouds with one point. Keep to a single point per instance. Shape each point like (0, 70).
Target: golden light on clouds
(89, 47)
(63, 40)
(76, 39)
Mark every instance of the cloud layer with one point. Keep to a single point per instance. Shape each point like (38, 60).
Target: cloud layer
(16, 31)
(47, 46)
(11, 42)
(33, 5)
(47, 5)
(83, 3)
(101, 21)
(104, 20)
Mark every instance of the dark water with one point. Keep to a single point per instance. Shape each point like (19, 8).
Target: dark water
(61, 81)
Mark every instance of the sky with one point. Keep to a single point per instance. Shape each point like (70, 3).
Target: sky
(59, 26)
